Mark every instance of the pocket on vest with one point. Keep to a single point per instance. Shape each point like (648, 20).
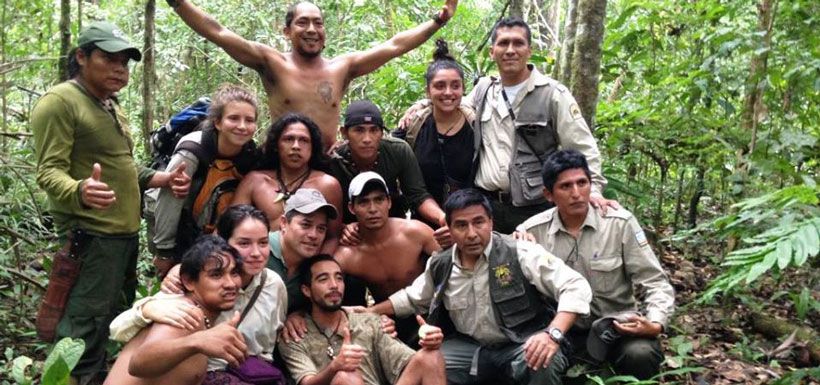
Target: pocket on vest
(513, 305)
(526, 178)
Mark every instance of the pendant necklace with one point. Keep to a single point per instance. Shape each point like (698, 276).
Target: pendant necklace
(329, 351)
(283, 192)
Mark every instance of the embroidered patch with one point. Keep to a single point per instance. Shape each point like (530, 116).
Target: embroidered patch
(503, 275)
(575, 111)
(641, 238)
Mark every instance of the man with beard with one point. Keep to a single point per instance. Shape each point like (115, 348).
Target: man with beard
(165, 354)
(292, 157)
(392, 251)
(351, 348)
(302, 80)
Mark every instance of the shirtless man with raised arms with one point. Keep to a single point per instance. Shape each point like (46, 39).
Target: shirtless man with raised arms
(302, 80)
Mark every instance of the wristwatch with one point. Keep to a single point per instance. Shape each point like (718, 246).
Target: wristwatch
(556, 334)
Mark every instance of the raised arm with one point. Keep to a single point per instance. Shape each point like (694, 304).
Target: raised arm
(364, 62)
(248, 53)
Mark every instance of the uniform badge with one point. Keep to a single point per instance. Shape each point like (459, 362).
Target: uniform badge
(641, 238)
(575, 111)
(503, 275)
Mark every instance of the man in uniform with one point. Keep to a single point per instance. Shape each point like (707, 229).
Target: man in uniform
(351, 348)
(612, 252)
(496, 298)
(522, 117)
(80, 130)
(302, 80)
(392, 251)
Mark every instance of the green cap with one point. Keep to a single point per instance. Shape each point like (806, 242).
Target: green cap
(109, 38)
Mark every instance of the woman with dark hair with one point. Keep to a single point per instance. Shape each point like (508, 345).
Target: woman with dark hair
(441, 134)
(226, 143)
(246, 230)
(291, 158)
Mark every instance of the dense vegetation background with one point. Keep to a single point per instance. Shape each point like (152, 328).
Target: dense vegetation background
(706, 112)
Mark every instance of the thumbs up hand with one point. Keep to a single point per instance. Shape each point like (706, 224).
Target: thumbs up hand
(179, 181)
(350, 355)
(94, 193)
(430, 337)
(223, 341)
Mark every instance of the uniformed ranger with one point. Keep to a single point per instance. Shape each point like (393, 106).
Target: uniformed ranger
(521, 118)
(612, 252)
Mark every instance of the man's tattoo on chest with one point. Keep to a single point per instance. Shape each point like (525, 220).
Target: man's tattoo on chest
(325, 90)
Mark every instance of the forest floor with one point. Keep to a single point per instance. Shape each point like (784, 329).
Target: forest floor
(718, 341)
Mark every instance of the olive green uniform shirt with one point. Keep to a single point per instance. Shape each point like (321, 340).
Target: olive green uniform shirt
(383, 364)
(612, 253)
(72, 131)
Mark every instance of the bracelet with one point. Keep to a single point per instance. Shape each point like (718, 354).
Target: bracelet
(174, 3)
(437, 19)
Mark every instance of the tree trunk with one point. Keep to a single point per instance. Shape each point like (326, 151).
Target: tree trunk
(678, 199)
(777, 328)
(546, 13)
(79, 15)
(586, 60)
(692, 220)
(148, 75)
(563, 71)
(3, 86)
(65, 39)
(754, 110)
(517, 8)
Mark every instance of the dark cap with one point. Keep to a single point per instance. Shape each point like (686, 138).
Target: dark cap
(363, 112)
(109, 38)
(603, 334)
(307, 201)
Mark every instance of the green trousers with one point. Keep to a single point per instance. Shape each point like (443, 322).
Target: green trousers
(106, 286)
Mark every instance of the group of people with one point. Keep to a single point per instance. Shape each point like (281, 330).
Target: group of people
(473, 245)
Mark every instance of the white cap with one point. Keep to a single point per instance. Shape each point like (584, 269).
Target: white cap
(358, 183)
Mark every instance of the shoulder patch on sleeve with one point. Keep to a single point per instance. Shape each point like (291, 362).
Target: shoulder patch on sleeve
(575, 111)
(640, 236)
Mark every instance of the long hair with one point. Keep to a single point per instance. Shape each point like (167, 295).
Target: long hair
(73, 63)
(269, 157)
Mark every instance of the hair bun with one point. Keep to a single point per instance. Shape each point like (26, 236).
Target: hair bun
(442, 52)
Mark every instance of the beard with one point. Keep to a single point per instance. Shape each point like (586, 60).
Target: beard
(326, 306)
(309, 55)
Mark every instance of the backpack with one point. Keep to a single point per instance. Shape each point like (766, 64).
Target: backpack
(213, 183)
(163, 140)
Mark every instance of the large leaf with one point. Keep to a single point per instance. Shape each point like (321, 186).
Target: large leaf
(57, 373)
(18, 370)
(68, 350)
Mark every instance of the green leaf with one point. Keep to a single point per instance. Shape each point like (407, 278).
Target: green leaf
(784, 254)
(57, 373)
(18, 370)
(762, 267)
(67, 349)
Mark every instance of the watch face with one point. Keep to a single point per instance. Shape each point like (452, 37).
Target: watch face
(556, 334)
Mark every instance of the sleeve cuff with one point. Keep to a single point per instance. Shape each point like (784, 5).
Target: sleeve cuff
(401, 303)
(657, 317)
(573, 305)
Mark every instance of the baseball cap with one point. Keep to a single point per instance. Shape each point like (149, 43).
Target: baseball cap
(361, 180)
(109, 38)
(363, 112)
(307, 201)
(603, 334)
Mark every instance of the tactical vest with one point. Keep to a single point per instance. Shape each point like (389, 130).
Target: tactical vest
(536, 137)
(519, 308)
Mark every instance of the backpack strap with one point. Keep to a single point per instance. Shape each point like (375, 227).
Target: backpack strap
(255, 295)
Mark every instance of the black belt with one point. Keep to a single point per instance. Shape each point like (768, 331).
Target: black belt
(498, 195)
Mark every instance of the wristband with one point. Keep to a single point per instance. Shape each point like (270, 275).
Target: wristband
(437, 19)
(174, 3)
